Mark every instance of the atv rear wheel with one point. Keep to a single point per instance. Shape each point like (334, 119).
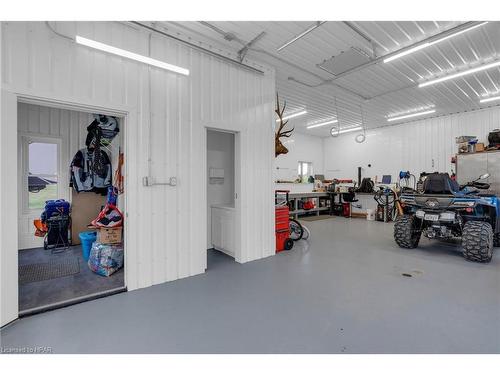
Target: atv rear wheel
(407, 231)
(477, 241)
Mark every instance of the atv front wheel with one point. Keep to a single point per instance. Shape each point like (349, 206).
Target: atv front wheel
(496, 240)
(477, 241)
(407, 232)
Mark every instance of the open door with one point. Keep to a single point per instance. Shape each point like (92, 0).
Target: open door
(8, 207)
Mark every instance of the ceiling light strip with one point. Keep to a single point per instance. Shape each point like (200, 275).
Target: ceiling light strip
(411, 115)
(427, 44)
(292, 115)
(489, 99)
(322, 124)
(342, 131)
(304, 33)
(460, 74)
(407, 52)
(458, 33)
(130, 55)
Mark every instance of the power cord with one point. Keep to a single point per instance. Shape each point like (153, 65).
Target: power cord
(57, 32)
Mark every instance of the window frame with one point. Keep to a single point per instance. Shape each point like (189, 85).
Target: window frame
(300, 170)
(26, 139)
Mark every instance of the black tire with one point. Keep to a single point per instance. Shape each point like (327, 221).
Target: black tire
(306, 234)
(477, 241)
(496, 240)
(407, 231)
(288, 244)
(296, 230)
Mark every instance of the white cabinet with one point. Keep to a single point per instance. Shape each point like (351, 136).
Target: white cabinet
(223, 229)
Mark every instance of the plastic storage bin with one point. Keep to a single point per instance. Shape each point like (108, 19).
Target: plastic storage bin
(87, 238)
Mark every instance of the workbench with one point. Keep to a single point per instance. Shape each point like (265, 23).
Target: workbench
(294, 199)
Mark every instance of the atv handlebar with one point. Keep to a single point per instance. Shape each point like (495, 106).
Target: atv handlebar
(477, 185)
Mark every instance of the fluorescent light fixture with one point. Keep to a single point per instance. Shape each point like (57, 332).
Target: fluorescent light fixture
(130, 55)
(307, 31)
(322, 124)
(460, 74)
(427, 44)
(407, 52)
(458, 33)
(293, 115)
(489, 99)
(348, 130)
(411, 115)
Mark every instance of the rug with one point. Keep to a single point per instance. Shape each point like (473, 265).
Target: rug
(31, 273)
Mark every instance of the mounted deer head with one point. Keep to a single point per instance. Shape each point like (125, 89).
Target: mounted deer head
(278, 146)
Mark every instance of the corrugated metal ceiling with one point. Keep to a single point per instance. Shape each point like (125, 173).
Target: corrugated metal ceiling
(371, 93)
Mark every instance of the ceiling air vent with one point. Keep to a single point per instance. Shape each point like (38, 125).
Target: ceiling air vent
(345, 61)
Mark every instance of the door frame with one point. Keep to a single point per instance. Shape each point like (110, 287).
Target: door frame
(9, 227)
(237, 186)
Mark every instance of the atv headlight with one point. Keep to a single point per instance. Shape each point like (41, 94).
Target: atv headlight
(447, 216)
(407, 199)
(464, 203)
(420, 214)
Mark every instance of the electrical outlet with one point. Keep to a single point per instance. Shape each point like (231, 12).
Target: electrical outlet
(173, 181)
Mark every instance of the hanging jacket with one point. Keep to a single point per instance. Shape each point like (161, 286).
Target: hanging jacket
(83, 176)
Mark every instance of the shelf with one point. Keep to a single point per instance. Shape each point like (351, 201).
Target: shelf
(298, 212)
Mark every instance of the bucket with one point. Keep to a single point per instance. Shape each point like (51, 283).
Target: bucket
(87, 238)
(370, 214)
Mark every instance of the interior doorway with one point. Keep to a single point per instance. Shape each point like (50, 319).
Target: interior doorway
(222, 210)
(70, 200)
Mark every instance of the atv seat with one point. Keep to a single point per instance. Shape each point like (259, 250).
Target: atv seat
(440, 183)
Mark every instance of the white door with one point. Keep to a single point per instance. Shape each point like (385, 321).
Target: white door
(8, 208)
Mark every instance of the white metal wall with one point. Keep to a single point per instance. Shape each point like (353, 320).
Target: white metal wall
(426, 145)
(167, 235)
(301, 147)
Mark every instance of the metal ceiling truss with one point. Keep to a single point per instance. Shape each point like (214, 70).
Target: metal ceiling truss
(284, 61)
(194, 46)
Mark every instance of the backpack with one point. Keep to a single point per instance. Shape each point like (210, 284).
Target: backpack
(440, 183)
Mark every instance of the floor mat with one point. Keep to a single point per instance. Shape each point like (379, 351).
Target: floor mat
(315, 217)
(31, 273)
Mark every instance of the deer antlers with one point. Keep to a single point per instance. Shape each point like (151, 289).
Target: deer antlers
(278, 146)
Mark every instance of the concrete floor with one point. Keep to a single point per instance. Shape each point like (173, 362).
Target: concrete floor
(342, 292)
(46, 292)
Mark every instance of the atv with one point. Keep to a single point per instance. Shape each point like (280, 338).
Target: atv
(446, 210)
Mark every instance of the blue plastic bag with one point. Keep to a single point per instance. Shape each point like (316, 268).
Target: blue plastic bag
(105, 259)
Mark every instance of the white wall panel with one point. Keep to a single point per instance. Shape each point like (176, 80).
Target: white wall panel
(8, 190)
(425, 145)
(167, 236)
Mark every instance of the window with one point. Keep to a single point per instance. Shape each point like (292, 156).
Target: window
(305, 170)
(42, 172)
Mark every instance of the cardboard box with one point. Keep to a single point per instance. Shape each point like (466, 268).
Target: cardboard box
(109, 235)
(84, 208)
(479, 147)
